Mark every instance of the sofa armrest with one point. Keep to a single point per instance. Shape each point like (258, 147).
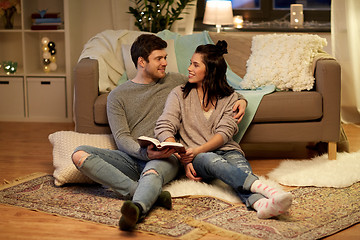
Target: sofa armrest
(86, 90)
(328, 83)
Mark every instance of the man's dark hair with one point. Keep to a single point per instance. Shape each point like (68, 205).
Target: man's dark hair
(144, 45)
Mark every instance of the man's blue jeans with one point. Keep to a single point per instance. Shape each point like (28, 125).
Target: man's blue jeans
(125, 174)
(232, 168)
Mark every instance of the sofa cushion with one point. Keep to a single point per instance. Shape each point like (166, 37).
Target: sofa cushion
(239, 49)
(100, 114)
(289, 107)
(275, 107)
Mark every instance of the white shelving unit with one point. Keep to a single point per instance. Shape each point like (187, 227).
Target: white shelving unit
(44, 97)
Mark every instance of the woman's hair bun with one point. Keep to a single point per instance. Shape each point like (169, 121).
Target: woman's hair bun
(221, 47)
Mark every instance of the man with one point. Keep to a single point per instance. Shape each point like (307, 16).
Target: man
(132, 108)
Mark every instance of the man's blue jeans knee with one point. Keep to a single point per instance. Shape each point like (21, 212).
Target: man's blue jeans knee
(155, 174)
(125, 175)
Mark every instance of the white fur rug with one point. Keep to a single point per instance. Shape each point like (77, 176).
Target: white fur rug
(217, 188)
(319, 171)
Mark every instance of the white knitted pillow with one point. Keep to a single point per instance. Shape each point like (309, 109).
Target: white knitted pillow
(64, 144)
(283, 60)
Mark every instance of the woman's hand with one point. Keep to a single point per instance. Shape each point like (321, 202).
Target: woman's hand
(191, 173)
(188, 156)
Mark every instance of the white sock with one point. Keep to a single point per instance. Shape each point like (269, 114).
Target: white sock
(267, 208)
(276, 202)
(264, 189)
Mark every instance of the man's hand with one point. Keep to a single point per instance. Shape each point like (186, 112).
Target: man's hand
(239, 109)
(191, 173)
(155, 154)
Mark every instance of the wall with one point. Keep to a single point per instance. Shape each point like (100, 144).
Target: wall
(89, 17)
(326, 35)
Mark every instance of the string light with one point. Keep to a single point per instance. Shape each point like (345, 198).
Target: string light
(49, 51)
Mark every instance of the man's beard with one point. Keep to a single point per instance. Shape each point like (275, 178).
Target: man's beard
(155, 75)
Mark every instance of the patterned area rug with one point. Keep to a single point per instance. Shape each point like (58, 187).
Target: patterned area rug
(316, 212)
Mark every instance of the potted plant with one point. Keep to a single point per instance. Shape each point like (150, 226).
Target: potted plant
(157, 15)
(7, 10)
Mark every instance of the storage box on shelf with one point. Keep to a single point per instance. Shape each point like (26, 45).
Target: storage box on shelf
(12, 98)
(24, 46)
(46, 98)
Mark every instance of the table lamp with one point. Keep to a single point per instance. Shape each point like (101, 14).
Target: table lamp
(218, 12)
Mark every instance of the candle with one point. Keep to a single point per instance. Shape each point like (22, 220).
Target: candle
(238, 21)
(296, 15)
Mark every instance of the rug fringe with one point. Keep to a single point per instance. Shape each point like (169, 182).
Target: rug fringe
(218, 231)
(7, 184)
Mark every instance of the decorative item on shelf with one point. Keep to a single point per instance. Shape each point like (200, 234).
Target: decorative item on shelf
(7, 10)
(238, 21)
(10, 67)
(218, 13)
(48, 55)
(157, 15)
(45, 21)
(296, 15)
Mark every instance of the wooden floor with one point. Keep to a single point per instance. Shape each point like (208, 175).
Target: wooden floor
(25, 149)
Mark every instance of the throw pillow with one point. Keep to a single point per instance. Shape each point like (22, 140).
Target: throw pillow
(282, 60)
(64, 144)
(130, 67)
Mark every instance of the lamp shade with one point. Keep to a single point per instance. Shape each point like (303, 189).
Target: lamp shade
(218, 12)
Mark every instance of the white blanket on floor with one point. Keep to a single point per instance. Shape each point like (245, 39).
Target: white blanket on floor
(217, 188)
(319, 171)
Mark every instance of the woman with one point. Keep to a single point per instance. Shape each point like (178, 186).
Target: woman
(200, 112)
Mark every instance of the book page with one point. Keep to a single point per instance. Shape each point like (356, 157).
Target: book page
(144, 141)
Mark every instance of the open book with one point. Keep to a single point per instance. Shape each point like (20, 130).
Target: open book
(145, 141)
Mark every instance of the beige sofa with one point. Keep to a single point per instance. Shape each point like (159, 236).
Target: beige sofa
(282, 117)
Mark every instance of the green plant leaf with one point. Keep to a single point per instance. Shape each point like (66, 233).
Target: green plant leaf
(159, 20)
